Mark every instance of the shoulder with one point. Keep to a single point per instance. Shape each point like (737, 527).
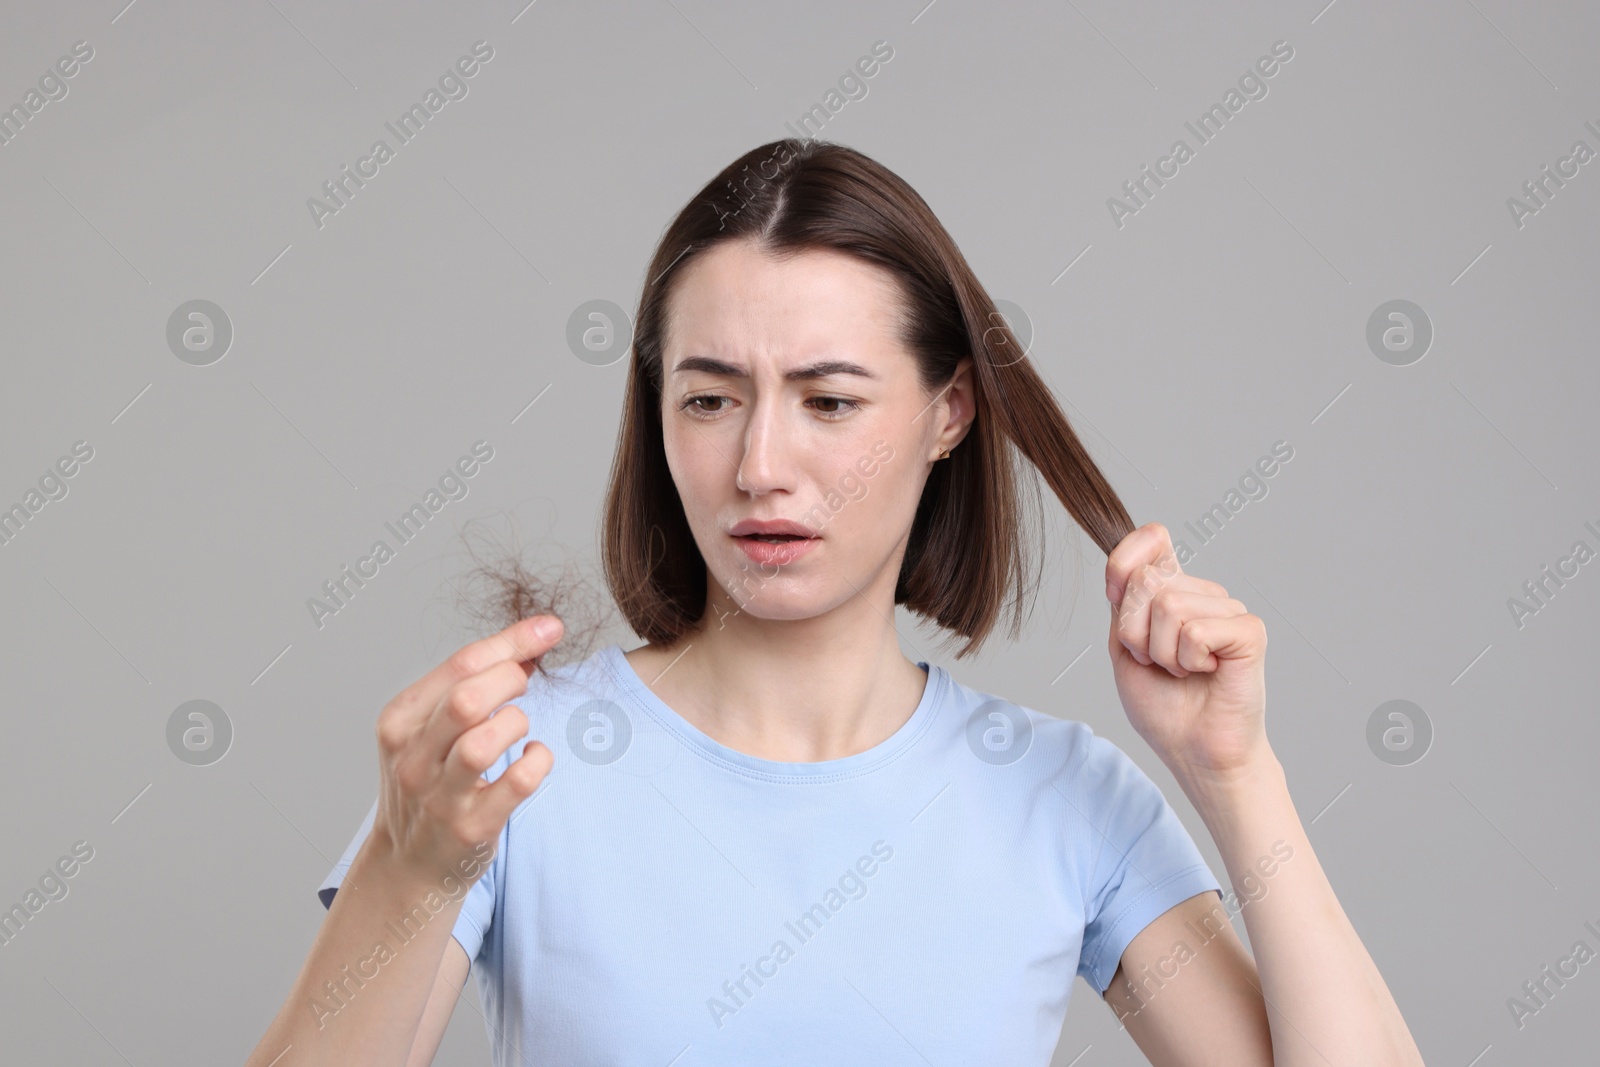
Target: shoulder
(1005, 732)
(1037, 750)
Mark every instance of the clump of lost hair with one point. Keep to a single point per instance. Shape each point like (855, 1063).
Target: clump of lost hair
(500, 590)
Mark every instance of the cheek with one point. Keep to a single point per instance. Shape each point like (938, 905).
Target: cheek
(701, 475)
(876, 498)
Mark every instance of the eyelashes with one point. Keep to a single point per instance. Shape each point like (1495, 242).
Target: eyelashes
(692, 408)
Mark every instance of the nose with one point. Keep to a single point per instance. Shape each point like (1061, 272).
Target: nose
(766, 465)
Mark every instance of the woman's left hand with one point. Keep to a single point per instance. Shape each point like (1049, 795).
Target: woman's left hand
(1190, 661)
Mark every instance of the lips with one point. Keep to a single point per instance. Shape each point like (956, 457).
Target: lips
(775, 542)
(773, 530)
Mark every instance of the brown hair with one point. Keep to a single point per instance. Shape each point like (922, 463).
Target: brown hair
(965, 550)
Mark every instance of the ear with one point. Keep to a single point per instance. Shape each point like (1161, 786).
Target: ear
(960, 404)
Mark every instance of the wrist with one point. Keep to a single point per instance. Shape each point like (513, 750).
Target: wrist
(1220, 792)
(380, 871)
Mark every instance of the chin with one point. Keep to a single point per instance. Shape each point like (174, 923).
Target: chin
(775, 605)
(780, 613)
(783, 598)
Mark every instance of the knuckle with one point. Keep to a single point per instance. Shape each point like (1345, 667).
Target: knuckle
(475, 753)
(523, 776)
(515, 780)
(466, 831)
(515, 718)
(391, 735)
(461, 706)
(467, 660)
(526, 776)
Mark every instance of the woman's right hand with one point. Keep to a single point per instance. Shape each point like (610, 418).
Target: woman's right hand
(436, 813)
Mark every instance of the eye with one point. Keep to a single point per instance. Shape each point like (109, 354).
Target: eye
(835, 414)
(690, 407)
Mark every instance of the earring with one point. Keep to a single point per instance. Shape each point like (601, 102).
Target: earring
(945, 454)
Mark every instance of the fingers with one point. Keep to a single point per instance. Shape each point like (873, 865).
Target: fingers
(416, 704)
(1148, 544)
(516, 783)
(465, 706)
(1174, 641)
(1152, 598)
(1235, 637)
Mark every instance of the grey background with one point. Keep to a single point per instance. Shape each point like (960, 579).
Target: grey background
(1228, 314)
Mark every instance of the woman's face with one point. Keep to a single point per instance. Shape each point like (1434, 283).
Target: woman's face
(786, 395)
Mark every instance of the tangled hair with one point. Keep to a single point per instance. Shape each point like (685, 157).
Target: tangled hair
(966, 554)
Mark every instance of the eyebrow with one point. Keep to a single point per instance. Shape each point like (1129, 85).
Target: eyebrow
(820, 369)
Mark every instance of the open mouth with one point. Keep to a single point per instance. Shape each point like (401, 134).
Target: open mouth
(776, 549)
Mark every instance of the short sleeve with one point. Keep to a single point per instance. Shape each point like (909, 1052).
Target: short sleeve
(1140, 858)
(477, 910)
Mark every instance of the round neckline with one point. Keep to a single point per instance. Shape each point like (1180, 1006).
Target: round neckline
(885, 751)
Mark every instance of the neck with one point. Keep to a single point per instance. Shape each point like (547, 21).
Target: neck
(796, 691)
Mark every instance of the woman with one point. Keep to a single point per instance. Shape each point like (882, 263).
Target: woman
(769, 837)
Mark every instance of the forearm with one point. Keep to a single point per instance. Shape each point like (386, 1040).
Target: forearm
(1327, 1005)
(360, 995)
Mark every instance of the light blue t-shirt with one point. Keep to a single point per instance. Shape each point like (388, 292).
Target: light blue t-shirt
(664, 899)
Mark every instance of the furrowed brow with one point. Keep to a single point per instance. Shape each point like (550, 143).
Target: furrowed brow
(822, 369)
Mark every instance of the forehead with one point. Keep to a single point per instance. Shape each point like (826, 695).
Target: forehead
(738, 302)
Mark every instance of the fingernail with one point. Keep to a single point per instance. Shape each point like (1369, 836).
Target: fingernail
(546, 629)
